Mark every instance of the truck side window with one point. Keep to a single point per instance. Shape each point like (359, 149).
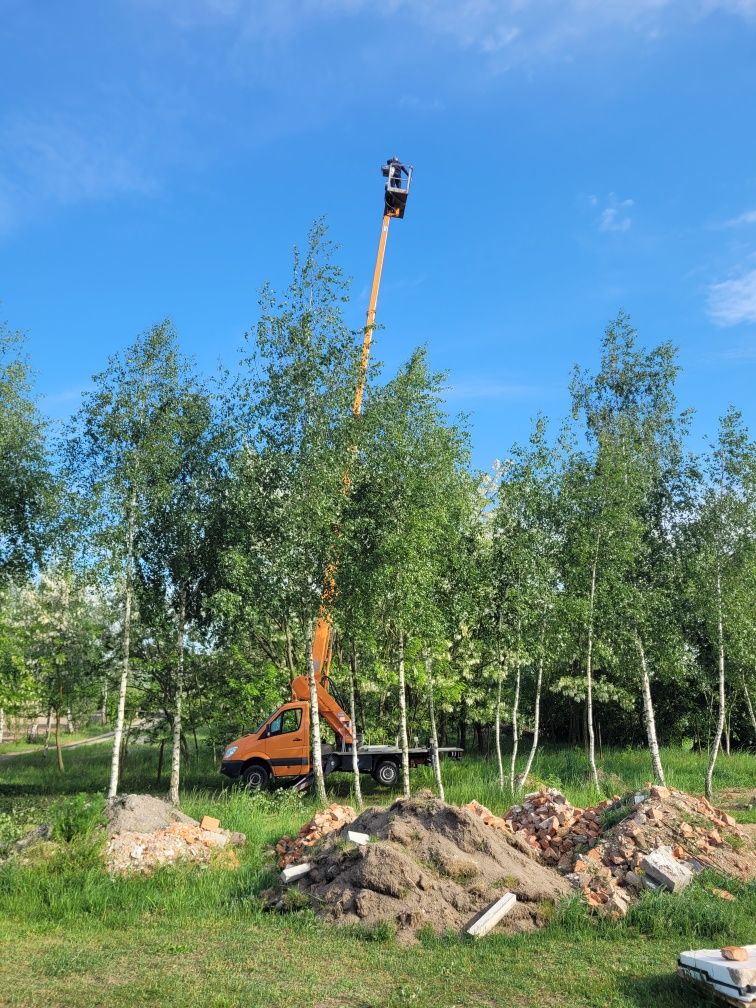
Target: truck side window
(287, 721)
(291, 720)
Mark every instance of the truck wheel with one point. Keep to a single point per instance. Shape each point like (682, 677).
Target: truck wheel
(386, 773)
(256, 777)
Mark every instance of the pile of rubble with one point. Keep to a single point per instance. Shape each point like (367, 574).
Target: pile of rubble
(664, 838)
(421, 863)
(291, 850)
(550, 825)
(145, 832)
(664, 841)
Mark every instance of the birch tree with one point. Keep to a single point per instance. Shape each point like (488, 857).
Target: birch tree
(525, 550)
(721, 551)
(177, 546)
(117, 450)
(402, 521)
(294, 431)
(26, 484)
(634, 434)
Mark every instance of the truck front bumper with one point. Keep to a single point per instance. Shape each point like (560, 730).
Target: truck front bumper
(232, 768)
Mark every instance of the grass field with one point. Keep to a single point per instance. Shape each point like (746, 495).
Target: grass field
(70, 936)
(66, 738)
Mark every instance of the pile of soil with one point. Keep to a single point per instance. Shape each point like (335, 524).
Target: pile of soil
(139, 813)
(144, 832)
(428, 864)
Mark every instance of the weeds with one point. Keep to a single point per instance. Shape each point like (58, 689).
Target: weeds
(77, 816)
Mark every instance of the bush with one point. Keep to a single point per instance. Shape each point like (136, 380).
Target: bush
(76, 817)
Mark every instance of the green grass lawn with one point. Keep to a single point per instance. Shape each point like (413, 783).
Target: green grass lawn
(70, 936)
(66, 738)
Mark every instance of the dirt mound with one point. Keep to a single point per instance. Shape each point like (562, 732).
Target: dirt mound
(427, 864)
(145, 832)
(139, 813)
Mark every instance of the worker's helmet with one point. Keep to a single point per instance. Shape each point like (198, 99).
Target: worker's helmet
(398, 178)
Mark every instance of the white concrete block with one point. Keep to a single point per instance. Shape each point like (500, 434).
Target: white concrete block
(295, 871)
(492, 916)
(358, 838)
(666, 870)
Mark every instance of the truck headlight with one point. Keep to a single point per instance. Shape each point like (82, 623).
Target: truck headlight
(230, 751)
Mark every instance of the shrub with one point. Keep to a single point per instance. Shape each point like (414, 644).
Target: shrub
(77, 816)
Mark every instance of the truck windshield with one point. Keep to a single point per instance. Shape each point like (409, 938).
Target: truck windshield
(263, 723)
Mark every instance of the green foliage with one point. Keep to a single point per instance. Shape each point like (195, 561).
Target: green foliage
(77, 816)
(26, 483)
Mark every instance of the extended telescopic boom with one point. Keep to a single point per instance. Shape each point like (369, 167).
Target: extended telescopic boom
(398, 179)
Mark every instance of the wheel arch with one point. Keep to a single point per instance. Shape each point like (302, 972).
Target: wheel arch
(256, 761)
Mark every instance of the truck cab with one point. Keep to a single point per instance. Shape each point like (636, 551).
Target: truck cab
(280, 747)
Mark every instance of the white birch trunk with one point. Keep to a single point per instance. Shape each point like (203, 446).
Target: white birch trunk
(649, 721)
(536, 726)
(497, 727)
(48, 729)
(403, 742)
(720, 720)
(515, 726)
(589, 677)
(316, 750)
(173, 788)
(115, 762)
(749, 705)
(58, 750)
(352, 717)
(435, 759)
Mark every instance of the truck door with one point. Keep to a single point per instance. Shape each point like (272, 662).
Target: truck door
(287, 741)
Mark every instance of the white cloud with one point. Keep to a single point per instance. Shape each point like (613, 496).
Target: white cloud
(64, 396)
(59, 161)
(68, 164)
(733, 301)
(742, 8)
(417, 104)
(749, 217)
(512, 30)
(614, 213)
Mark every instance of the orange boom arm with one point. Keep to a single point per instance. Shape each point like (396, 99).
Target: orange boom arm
(398, 179)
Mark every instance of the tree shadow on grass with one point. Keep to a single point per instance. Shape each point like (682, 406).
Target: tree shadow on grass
(665, 990)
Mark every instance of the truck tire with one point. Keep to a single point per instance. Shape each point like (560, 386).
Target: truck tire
(256, 777)
(386, 772)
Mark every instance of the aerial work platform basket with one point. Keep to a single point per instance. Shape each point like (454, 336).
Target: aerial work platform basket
(398, 178)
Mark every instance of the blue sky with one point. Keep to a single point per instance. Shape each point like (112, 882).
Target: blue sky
(160, 157)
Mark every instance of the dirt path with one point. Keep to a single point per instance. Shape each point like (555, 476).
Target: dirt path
(66, 745)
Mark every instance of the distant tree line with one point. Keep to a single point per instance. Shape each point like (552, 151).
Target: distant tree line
(167, 552)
